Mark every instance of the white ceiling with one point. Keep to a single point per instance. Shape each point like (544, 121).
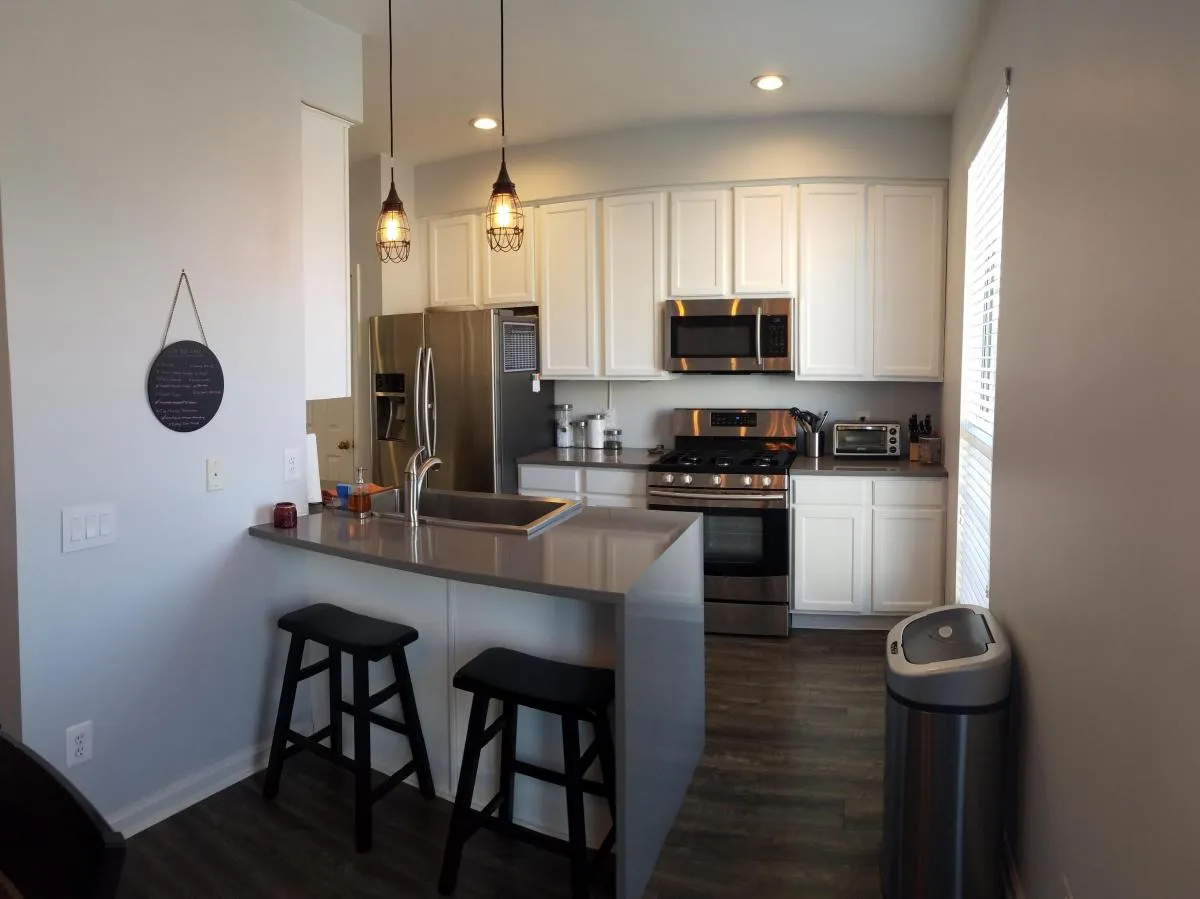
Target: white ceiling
(576, 66)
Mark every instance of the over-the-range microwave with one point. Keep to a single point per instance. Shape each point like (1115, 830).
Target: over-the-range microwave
(733, 336)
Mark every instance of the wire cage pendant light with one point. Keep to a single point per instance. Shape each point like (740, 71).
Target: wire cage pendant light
(504, 219)
(392, 232)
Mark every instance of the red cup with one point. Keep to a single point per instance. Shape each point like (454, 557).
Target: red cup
(285, 515)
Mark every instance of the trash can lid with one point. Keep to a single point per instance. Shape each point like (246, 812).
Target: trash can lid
(955, 656)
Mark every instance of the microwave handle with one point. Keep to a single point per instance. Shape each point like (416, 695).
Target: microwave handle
(758, 335)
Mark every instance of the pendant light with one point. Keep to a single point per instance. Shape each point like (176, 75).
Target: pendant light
(504, 220)
(392, 232)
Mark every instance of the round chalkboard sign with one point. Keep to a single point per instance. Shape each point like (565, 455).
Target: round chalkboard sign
(185, 386)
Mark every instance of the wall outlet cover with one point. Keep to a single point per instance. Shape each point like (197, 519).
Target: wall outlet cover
(863, 415)
(291, 465)
(214, 473)
(79, 744)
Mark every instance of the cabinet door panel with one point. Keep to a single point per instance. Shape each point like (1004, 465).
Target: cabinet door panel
(834, 321)
(567, 286)
(764, 231)
(701, 243)
(509, 278)
(828, 558)
(906, 559)
(635, 284)
(453, 250)
(908, 279)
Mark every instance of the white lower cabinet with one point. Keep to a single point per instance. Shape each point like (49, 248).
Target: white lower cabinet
(868, 545)
(907, 547)
(829, 559)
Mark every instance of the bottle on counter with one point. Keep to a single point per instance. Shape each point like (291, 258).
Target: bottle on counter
(359, 500)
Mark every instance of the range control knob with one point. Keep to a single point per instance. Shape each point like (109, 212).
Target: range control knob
(766, 480)
(716, 480)
(668, 479)
(687, 479)
(748, 481)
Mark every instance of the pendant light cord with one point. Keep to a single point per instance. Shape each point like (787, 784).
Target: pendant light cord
(391, 98)
(503, 125)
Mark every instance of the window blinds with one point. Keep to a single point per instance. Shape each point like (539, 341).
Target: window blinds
(981, 318)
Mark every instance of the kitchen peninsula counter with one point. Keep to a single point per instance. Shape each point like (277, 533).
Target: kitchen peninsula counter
(614, 587)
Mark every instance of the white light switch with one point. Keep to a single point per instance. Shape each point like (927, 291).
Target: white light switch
(86, 527)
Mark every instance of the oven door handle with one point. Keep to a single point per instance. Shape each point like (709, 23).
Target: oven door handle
(721, 500)
(758, 336)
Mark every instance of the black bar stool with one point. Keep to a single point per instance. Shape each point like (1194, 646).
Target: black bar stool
(365, 640)
(573, 692)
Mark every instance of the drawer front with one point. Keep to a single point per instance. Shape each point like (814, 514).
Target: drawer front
(919, 492)
(614, 481)
(550, 479)
(815, 490)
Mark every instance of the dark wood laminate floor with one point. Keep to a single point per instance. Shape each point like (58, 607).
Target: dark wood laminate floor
(787, 802)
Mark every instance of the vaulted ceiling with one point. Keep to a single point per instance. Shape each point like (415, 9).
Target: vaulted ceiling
(578, 66)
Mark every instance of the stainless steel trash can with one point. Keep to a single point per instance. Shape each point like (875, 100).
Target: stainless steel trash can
(948, 684)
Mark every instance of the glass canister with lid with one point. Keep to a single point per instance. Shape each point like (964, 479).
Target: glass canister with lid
(612, 440)
(563, 439)
(597, 423)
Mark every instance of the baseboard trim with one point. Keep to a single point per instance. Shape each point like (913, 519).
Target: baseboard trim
(182, 794)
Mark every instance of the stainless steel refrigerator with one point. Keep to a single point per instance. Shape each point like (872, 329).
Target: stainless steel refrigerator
(477, 373)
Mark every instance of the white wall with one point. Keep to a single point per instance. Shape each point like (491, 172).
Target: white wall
(643, 409)
(10, 658)
(804, 146)
(149, 136)
(1094, 567)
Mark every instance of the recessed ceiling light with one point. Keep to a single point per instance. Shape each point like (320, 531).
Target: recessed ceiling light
(769, 82)
(484, 122)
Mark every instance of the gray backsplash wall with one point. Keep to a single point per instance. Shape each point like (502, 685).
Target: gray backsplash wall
(643, 408)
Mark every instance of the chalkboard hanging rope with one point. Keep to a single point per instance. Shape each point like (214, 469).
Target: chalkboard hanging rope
(180, 284)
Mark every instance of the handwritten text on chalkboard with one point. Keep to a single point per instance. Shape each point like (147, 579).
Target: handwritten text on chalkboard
(185, 386)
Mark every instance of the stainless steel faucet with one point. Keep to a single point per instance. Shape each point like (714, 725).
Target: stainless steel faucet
(414, 482)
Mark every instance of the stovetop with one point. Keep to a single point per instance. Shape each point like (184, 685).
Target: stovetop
(726, 461)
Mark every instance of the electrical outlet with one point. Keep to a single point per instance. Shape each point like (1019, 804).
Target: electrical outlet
(291, 465)
(215, 474)
(1067, 894)
(79, 744)
(863, 415)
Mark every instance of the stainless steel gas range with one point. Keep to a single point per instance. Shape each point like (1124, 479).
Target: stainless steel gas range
(732, 465)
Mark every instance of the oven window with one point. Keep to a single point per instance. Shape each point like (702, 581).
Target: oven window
(734, 539)
(712, 336)
(860, 438)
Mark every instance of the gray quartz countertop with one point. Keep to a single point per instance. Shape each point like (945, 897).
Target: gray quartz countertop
(866, 468)
(597, 554)
(633, 458)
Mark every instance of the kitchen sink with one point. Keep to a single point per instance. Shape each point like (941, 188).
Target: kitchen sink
(500, 512)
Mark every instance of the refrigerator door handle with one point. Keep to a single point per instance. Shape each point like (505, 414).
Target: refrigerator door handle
(415, 403)
(430, 387)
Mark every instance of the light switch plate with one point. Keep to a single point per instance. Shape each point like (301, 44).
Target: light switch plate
(86, 527)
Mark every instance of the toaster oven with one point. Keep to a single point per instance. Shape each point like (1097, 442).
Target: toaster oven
(871, 440)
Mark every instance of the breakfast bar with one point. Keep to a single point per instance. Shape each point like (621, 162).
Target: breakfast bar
(618, 588)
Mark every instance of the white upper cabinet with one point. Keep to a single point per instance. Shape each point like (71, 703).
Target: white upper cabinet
(325, 240)
(453, 260)
(908, 280)
(764, 240)
(509, 279)
(569, 323)
(701, 243)
(635, 284)
(834, 305)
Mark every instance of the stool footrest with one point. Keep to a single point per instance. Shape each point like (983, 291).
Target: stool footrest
(491, 731)
(377, 699)
(396, 727)
(318, 749)
(589, 757)
(315, 668)
(394, 781)
(549, 775)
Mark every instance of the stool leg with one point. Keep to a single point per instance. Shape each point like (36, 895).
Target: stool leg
(335, 699)
(362, 756)
(508, 758)
(412, 720)
(576, 828)
(608, 760)
(461, 816)
(283, 718)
